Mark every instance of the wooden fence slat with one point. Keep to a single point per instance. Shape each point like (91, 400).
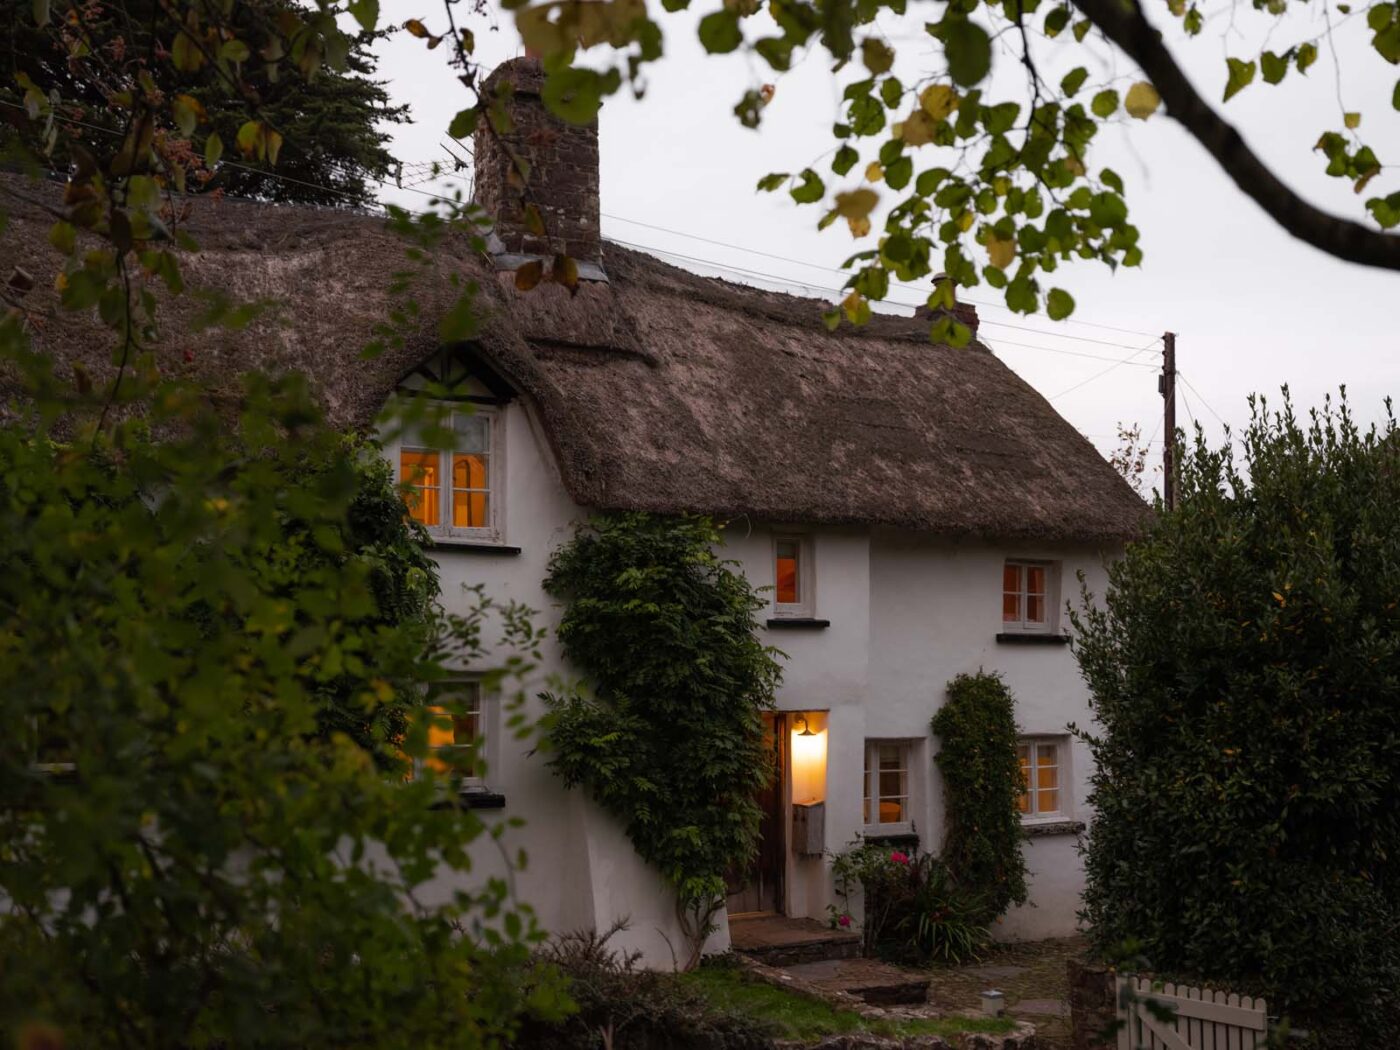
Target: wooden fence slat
(1203, 1018)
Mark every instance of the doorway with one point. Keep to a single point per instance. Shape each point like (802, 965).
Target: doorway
(757, 888)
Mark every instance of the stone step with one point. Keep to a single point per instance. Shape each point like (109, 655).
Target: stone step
(879, 984)
(777, 940)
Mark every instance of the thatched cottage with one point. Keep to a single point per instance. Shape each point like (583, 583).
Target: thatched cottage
(917, 510)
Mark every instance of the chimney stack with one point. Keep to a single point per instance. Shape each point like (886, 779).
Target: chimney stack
(562, 161)
(964, 312)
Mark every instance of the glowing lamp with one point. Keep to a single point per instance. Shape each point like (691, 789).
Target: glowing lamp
(808, 760)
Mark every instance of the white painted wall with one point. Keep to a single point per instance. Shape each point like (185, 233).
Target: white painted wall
(907, 613)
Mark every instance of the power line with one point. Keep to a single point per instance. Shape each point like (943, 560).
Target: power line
(1000, 342)
(1110, 368)
(1202, 399)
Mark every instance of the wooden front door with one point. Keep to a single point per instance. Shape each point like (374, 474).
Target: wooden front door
(758, 887)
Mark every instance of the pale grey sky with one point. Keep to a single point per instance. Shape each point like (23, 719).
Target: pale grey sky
(1252, 308)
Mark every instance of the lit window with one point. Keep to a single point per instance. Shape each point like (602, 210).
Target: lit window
(454, 492)
(1025, 596)
(792, 577)
(887, 784)
(1040, 778)
(456, 732)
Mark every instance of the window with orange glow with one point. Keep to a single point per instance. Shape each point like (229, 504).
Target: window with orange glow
(1025, 595)
(886, 783)
(789, 556)
(451, 491)
(456, 731)
(1040, 778)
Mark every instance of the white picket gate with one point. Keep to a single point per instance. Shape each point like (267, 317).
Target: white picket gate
(1204, 1019)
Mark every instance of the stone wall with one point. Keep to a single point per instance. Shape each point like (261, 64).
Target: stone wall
(1093, 1006)
(561, 162)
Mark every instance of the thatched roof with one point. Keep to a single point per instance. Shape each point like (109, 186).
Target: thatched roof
(659, 390)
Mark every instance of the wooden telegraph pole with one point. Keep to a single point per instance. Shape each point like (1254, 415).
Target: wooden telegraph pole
(1166, 383)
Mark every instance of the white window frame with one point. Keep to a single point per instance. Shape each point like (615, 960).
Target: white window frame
(485, 736)
(493, 531)
(1051, 596)
(805, 608)
(1065, 804)
(870, 779)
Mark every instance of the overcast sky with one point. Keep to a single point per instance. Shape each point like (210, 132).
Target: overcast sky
(1252, 308)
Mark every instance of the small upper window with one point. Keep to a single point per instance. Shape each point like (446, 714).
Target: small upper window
(455, 491)
(792, 577)
(1026, 601)
(1041, 778)
(457, 732)
(887, 794)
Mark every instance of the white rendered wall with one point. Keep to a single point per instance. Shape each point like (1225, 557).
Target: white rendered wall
(907, 613)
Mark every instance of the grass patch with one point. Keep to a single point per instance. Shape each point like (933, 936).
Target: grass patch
(789, 1016)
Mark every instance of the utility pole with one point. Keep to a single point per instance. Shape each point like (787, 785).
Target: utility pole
(1166, 385)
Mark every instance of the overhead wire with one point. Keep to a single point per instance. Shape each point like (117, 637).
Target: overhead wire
(1110, 368)
(1201, 397)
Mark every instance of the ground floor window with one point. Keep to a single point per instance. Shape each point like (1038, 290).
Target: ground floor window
(887, 786)
(1042, 766)
(457, 732)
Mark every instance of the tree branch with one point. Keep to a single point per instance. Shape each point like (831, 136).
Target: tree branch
(1123, 22)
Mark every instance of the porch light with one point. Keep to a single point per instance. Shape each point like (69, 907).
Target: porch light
(808, 750)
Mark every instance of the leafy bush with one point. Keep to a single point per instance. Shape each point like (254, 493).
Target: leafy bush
(622, 1006)
(188, 857)
(914, 909)
(671, 739)
(1245, 671)
(982, 783)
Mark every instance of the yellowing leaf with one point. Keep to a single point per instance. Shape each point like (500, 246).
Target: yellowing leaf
(878, 58)
(859, 227)
(857, 204)
(273, 144)
(1353, 120)
(528, 275)
(917, 129)
(938, 101)
(1000, 251)
(416, 28)
(1142, 100)
(873, 171)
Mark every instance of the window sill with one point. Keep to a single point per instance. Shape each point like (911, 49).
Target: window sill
(796, 623)
(1035, 829)
(472, 799)
(1031, 638)
(472, 546)
(901, 840)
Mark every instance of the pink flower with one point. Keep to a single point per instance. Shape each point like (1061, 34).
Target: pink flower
(899, 858)
(843, 921)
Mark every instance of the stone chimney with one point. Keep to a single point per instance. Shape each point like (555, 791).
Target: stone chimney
(964, 312)
(562, 160)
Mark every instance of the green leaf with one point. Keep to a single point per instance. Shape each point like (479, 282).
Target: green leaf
(844, 160)
(576, 95)
(1142, 100)
(41, 12)
(1105, 103)
(213, 150)
(969, 51)
(1395, 96)
(876, 55)
(365, 12)
(771, 182)
(1240, 76)
(1059, 304)
(720, 32)
(1074, 80)
(1273, 66)
(810, 190)
(1110, 178)
(898, 173)
(1352, 120)
(1021, 295)
(1307, 55)
(63, 236)
(1056, 21)
(464, 123)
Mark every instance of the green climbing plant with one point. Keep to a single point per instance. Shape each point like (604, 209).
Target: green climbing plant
(669, 736)
(982, 782)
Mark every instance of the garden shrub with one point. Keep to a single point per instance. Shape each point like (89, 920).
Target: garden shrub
(914, 909)
(621, 1005)
(982, 839)
(1245, 672)
(670, 737)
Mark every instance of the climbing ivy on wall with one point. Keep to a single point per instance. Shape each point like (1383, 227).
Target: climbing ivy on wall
(982, 785)
(669, 736)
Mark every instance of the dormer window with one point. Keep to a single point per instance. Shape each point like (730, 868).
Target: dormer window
(454, 492)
